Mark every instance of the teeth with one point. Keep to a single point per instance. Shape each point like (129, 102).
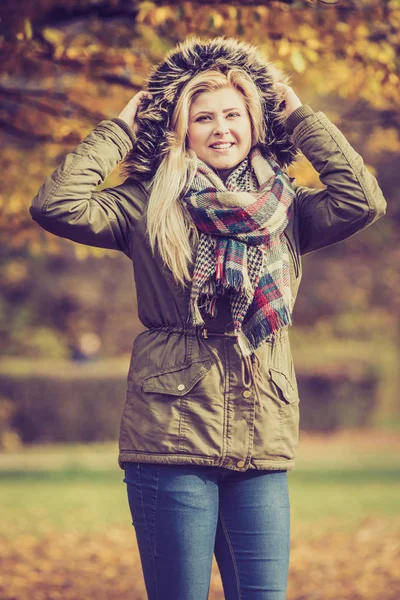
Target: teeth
(221, 145)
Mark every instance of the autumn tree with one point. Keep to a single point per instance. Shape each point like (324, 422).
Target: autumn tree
(65, 65)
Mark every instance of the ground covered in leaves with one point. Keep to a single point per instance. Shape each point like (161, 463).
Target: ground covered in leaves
(66, 533)
(358, 565)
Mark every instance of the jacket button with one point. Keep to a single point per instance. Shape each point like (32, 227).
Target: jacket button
(240, 463)
(181, 387)
(246, 393)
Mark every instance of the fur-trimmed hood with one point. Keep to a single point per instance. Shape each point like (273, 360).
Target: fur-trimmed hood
(182, 63)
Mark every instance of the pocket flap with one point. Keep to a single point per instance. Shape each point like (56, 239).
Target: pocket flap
(177, 380)
(289, 391)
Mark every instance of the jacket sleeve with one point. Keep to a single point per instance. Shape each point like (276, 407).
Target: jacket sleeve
(351, 200)
(67, 203)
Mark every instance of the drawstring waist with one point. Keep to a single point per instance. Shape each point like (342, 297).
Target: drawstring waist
(250, 365)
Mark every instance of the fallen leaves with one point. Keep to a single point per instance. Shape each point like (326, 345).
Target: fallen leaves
(357, 565)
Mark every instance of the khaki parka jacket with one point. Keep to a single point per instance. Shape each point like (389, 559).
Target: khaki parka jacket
(190, 398)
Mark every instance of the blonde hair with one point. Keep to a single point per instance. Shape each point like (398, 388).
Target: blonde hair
(168, 222)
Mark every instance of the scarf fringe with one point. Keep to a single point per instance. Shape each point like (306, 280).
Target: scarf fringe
(245, 345)
(210, 306)
(195, 313)
(262, 329)
(239, 281)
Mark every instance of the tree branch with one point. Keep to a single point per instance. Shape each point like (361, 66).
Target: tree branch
(24, 97)
(31, 136)
(383, 118)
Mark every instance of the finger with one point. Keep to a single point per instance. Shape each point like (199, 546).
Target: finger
(145, 94)
(139, 97)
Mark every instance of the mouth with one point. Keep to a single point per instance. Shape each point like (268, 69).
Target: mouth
(221, 147)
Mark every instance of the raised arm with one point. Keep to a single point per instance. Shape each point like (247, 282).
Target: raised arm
(67, 203)
(352, 199)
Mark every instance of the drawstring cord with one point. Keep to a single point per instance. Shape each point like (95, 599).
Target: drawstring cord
(251, 372)
(251, 369)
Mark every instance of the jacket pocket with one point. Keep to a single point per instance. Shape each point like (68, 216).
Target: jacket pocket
(177, 380)
(288, 391)
(158, 418)
(179, 413)
(288, 413)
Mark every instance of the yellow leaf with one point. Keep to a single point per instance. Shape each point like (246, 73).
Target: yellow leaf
(361, 30)
(297, 60)
(305, 32)
(342, 27)
(162, 14)
(284, 48)
(313, 43)
(145, 9)
(74, 53)
(311, 54)
(232, 12)
(28, 29)
(59, 51)
(218, 20)
(53, 36)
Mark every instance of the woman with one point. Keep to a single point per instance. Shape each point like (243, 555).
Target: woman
(215, 229)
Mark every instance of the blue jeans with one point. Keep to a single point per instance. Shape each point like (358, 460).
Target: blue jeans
(182, 514)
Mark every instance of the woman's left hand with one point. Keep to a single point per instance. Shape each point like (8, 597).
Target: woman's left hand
(292, 101)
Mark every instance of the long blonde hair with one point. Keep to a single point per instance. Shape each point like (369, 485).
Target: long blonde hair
(168, 223)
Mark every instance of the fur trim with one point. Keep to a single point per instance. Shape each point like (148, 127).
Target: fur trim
(181, 64)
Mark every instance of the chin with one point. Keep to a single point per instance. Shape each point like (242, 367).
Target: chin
(224, 162)
(224, 165)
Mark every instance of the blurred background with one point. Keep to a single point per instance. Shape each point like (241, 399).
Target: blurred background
(68, 313)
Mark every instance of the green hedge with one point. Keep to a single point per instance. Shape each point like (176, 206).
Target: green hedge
(338, 396)
(84, 401)
(76, 402)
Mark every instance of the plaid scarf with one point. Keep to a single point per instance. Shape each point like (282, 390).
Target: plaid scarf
(242, 249)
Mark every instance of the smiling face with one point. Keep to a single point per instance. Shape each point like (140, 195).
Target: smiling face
(219, 128)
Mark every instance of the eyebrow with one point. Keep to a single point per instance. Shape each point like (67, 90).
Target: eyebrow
(207, 112)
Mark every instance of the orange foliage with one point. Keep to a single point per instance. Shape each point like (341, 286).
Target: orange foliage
(362, 565)
(67, 64)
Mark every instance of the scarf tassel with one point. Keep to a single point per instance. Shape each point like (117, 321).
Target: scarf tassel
(210, 306)
(251, 338)
(194, 312)
(219, 276)
(239, 281)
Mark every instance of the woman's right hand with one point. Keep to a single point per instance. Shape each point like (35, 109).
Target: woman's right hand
(128, 114)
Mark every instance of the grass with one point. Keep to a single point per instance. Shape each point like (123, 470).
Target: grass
(66, 530)
(340, 481)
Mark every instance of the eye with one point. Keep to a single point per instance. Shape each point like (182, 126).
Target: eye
(202, 118)
(234, 114)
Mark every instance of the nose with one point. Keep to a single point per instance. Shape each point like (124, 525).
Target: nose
(221, 127)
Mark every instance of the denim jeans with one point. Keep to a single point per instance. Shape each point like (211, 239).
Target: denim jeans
(182, 514)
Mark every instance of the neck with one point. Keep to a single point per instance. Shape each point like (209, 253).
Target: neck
(224, 173)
